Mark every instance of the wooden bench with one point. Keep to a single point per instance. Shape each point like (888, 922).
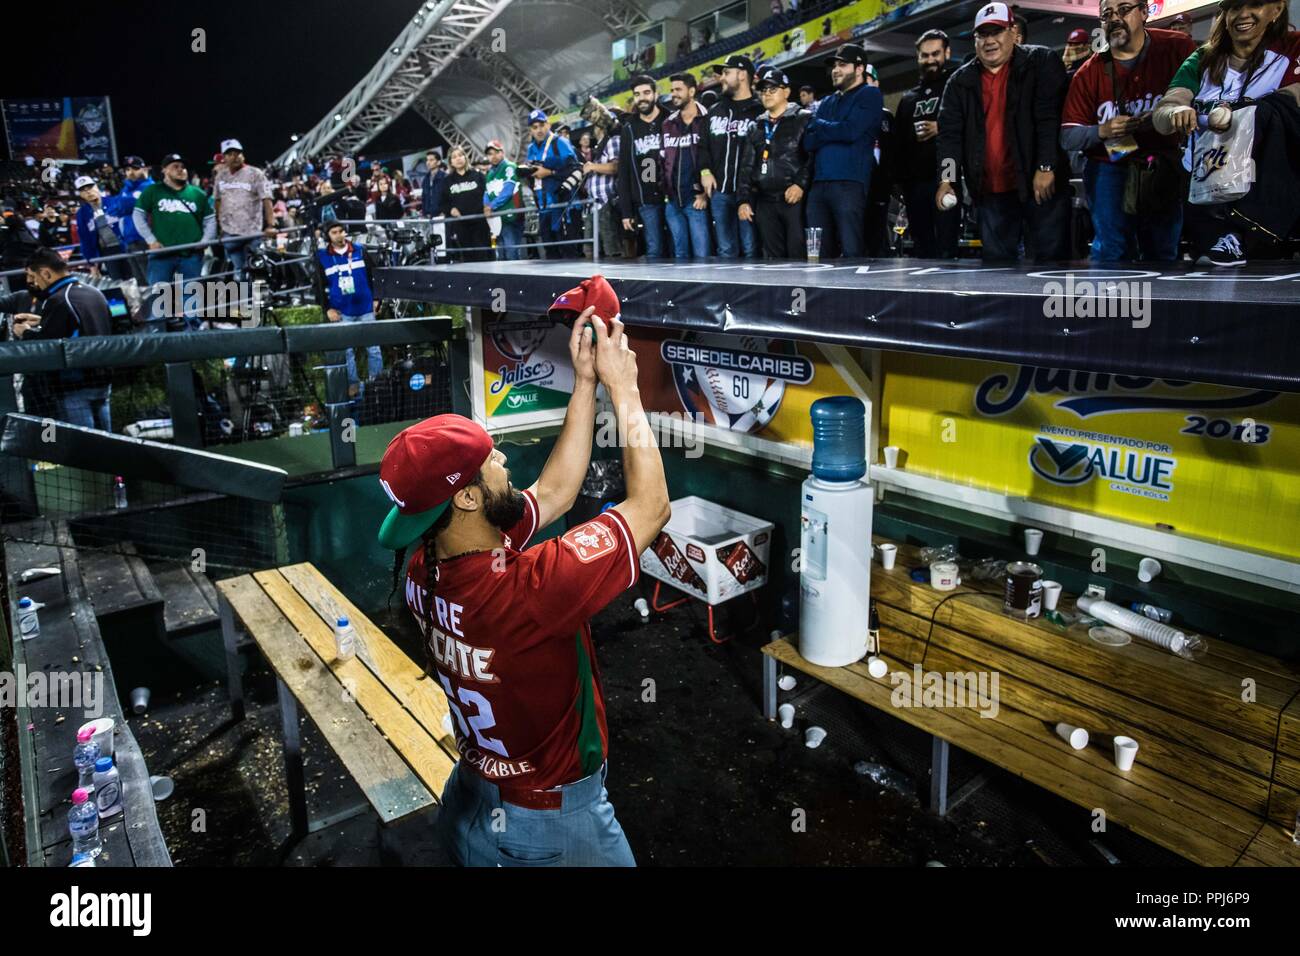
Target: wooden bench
(391, 730)
(1217, 778)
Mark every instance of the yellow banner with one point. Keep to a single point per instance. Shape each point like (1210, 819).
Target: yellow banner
(1217, 463)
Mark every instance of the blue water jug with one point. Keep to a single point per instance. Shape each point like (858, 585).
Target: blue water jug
(839, 438)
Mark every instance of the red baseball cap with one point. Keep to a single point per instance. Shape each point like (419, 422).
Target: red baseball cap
(1079, 35)
(594, 291)
(422, 467)
(998, 14)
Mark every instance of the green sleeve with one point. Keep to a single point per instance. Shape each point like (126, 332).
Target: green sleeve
(1189, 74)
(147, 199)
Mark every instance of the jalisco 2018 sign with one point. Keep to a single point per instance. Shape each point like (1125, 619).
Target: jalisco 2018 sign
(1215, 462)
(71, 127)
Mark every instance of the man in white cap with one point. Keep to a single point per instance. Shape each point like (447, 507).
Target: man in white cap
(99, 227)
(242, 195)
(998, 127)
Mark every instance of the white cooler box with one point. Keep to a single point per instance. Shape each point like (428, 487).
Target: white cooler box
(709, 551)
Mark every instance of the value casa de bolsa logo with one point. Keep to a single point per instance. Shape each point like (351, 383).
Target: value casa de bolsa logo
(1067, 456)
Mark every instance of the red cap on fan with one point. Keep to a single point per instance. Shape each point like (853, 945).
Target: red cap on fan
(1079, 35)
(422, 468)
(590, 292)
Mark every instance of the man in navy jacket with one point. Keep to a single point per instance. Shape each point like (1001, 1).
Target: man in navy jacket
(841, 138)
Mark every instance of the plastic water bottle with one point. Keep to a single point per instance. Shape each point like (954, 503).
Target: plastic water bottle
(83, 824)
(345, 639)
(1163, 615)
(84, 756)
(119, 492)
(839, 438)
(29, 623)
(108, 788)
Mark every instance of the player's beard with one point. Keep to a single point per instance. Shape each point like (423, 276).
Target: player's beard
(504, 510)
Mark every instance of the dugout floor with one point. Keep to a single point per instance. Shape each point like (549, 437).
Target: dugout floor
(697, 776)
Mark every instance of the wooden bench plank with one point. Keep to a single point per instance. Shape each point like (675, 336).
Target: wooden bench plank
(1288, 730)
(401, 675)
(1039, 762)
(1272, 847)
(413, 742)
(388, 783)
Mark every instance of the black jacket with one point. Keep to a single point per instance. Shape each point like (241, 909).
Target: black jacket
(916, 160)
(1035, 94)
(72, 309)
(788, 163)
(640, 164)
(729, 123)
(885, 173)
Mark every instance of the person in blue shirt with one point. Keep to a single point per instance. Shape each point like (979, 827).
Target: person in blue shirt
(343, 271)
(136, 179)
(553, 160)
(99, 228)
(841, 138)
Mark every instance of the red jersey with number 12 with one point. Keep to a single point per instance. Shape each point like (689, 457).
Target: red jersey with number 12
(513, 647)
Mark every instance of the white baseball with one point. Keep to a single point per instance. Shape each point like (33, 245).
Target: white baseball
(1220, 117)
(949, 200)
(729, 391)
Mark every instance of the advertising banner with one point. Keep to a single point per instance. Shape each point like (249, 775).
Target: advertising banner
(748, 392)
(1217, 463)
(71, 127)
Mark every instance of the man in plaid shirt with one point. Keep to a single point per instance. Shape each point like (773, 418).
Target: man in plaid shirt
(601, 179)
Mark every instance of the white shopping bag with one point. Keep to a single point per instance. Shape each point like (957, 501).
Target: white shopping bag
(1222, 167)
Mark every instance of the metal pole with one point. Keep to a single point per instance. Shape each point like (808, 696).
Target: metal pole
(595, 233)
(185, 411)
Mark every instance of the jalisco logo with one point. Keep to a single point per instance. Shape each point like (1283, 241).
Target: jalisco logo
(521, 374)
(999, 394)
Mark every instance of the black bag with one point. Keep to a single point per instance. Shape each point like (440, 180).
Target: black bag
(1154, 184)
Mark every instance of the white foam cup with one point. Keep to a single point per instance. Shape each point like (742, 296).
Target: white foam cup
(786, 713)
(103, 731)
(1033, 540)
(891, 456)
(1126, 751)
(786, 682)
(1051, 594)
(877, 667)
(888, 553)
(1148, 568)
(1076, 737)
(813, 737)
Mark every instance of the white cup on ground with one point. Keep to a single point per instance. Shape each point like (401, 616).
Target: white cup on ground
(1033, 541)
(1051, 594)
(1148, 568)
(1076, 737)
(786, 713)
(891, 456)
(877, 667)
(888, 554)
(786, 682)
(813, 737)
(1126, 751)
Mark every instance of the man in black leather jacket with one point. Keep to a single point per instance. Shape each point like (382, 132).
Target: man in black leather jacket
(775, 170)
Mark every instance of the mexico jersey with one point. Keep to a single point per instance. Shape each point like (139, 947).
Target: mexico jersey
(1091, 99)
(513, 649)
(1279, 67)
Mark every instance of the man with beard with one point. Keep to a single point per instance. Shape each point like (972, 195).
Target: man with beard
(640, 166)
(934, 232)
(507, 629)
(841, 138)
(998, 127)
(729, 123)
(686, 206)
(1107, 115)
(241, 198)
(136, 179)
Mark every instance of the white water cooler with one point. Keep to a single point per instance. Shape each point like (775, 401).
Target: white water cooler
(835, 547)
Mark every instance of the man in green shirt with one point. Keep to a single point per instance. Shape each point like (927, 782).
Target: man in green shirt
(501, 192)
(174, 213)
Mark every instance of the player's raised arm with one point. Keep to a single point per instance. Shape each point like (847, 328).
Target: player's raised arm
(557, 487)
(646, 507)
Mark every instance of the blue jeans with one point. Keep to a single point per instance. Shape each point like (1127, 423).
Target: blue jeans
(652, 217)
(582, 832)
(163, 268)
(374, 357)
(839, 208)
(237, 252)
(1117, 235)
(690, 230)
(726, 225)
(510, 240)
(87, 407)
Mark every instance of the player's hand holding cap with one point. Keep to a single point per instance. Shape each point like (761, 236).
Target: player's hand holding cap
(422, 468)
(594, 292)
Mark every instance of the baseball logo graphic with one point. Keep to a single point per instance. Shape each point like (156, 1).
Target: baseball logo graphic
(731, 398)
(519, 340)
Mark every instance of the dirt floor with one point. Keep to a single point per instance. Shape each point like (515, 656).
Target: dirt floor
(697, 776)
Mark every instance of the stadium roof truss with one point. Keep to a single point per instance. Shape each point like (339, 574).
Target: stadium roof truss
(438, 32)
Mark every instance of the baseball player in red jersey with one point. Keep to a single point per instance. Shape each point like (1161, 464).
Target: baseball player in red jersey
(506, 624)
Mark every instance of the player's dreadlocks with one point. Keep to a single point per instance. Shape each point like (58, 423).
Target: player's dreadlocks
(427, 542)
